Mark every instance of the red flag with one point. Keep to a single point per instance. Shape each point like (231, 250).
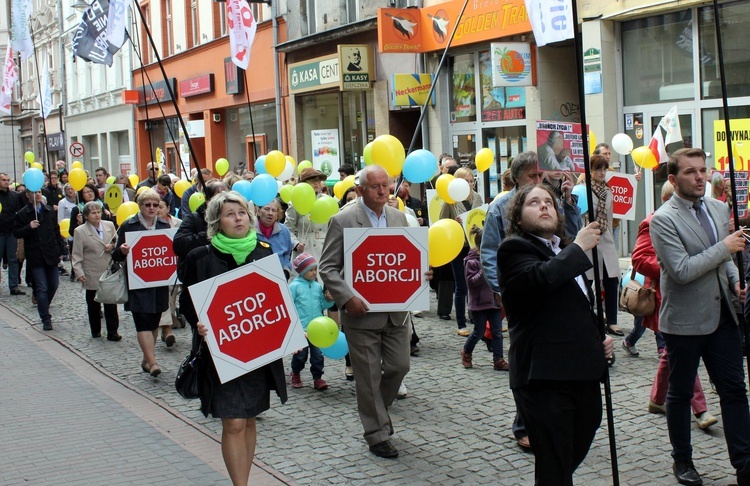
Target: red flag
(242, 28)
(657, 146)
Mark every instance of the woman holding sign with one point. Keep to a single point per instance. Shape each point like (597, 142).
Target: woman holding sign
(146, 305)
(233, 242)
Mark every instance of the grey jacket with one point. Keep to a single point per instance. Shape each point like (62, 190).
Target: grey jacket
(695, 275)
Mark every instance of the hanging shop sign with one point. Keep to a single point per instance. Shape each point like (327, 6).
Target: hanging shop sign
(233, 82)
(411, 89)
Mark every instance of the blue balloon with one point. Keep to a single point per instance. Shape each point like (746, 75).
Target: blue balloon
(638, 277)
(260, 165)
(243, 187)
(420, 166)
(263, 189)
(338, 350)
(33, 179)
(583, 202)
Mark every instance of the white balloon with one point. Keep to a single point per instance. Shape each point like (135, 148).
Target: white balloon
(279, 184)
(622, 144)
(286, 173)
(459, 189)
(412, 221)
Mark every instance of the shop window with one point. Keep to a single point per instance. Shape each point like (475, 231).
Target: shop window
(499, 103)
(145, 44)
(220, 19)
(657, 58)
(463, 97)
(735, 21)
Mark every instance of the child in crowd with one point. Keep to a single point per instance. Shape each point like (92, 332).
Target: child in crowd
(483, 308)
(310, 302)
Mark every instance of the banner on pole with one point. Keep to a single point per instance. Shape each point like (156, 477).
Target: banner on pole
(20, 31)
(10, 76)
(90, 41)
(242, 28)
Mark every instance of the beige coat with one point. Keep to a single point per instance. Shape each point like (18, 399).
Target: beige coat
(88, 259)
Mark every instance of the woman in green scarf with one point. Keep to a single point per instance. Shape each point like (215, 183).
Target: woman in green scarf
(233, 243)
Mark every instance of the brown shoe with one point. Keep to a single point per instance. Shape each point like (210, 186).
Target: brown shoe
(501, 365)
(466, 359)
(524, 443)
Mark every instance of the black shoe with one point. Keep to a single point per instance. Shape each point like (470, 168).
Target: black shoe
(47, 325)
(610, 361)
(64, 273)
(384, 449)
(445, 318)
(17, 291)
(113, 337)
(98, 335)
(614, 332)
(414, 350)
(686, 474)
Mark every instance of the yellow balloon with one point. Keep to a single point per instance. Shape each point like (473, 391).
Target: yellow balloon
(592, 142)
(76, 165)
(37, 165)
(125, 211)
(441, 185)
(113, 197)
(1, 208)
(286, 192)
(305, 164)
(30, 157)
(400, 203)
(484, 159)
(134, 180)
(388, 152)
(65, 228)
(338, 190)
(111, 180)
(77, 178)
(444, 242)
(196, 200)
(141, 190)
(180, 187)
(290, 159)
(643, 157)
(275, 163)
(222, 166)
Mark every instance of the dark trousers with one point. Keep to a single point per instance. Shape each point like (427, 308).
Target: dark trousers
(460, 288)
(611, 296)
(95, 320)
(722, 355)
(46, 279)
(316, 361)
(561, 418)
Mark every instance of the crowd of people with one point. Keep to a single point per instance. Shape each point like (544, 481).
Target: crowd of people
(531, 264)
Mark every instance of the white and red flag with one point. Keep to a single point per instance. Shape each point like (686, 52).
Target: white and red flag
(10, 76)
(671, 126)
(242, 28)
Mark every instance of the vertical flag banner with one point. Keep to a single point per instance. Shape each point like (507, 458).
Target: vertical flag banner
(20, 32)
(671, 126)
(90, 41)
(45, 93)
(10, 76)
(551, 20)
(242, 28)
(116, 22)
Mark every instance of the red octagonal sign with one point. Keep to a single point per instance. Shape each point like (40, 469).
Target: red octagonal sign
(623, 195)
(248, 317)
(385, 267)
(151, 260)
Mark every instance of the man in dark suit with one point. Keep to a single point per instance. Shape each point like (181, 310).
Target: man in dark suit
(378, 341)
(557, 357)
(699, 288)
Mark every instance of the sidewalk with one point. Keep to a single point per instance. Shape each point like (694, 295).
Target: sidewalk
(65, 422)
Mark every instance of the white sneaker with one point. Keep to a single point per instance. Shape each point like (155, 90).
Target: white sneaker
(631, 350)
(705, 420)
(402, 392)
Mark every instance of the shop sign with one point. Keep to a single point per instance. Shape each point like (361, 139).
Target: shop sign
(315, 74)
(429, 29)
(511, 64)
(411, 89)
(357, 67)
(197, 86)
(233, 82)
(158, 92)
(56, 141)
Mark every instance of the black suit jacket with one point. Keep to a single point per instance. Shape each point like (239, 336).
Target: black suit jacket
(552, 326)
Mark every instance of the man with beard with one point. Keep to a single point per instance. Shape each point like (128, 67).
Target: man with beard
(556, 353)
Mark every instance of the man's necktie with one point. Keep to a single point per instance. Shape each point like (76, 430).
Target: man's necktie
(703, 219)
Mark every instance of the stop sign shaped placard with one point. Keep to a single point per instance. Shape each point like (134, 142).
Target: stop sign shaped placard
(623, 187)
(250, 316)
(151, 260)
(385, 267)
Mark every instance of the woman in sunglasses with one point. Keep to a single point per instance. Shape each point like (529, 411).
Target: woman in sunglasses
(146, 305)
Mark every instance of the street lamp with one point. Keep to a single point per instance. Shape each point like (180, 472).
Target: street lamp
(80, 5)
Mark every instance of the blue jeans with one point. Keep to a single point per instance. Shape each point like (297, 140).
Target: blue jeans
(722, 354)
(8, 248)
(638, 331)
(494, 316)
(46, 279)
(459, 280)
(316, 361)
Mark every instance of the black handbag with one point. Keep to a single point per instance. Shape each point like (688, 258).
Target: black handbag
(188, 379)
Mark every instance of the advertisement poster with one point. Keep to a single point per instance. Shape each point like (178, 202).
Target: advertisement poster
(511, 63)
(325, 152)
(499, 102)
(463, 91)
(560, 146)
(740, 141)
(740, 189)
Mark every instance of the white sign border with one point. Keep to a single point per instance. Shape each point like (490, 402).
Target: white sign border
(630, 215)
(134, 281)
(354, 237)
(202, 293)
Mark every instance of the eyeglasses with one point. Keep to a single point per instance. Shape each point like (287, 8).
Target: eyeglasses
(150, 205)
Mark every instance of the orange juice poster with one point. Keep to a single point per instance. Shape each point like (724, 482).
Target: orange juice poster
(325, 156)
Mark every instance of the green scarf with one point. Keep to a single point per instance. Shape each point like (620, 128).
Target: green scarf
(239, 248)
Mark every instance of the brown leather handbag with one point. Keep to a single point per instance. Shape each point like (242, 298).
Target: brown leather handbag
(636, 299)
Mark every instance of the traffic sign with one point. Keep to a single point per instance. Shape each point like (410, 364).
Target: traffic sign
(386, 267)
(250, 316)
(623, 187)
(151, 260)
(76, 149)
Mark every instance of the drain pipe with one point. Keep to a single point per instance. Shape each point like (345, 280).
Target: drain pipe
(276, 74)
